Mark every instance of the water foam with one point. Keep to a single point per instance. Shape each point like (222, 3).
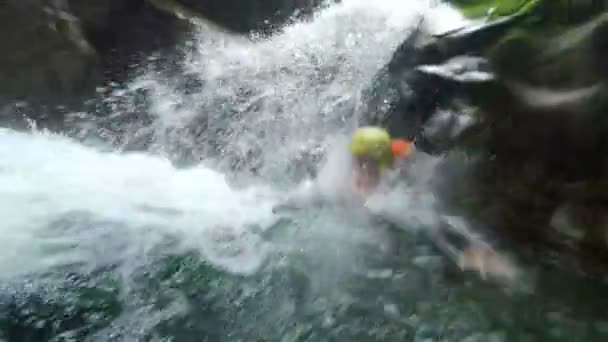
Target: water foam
(44, 178)
(262, 101)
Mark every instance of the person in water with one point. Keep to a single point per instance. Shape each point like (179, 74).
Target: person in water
(378, 158)
(374, 156)
(374, 153)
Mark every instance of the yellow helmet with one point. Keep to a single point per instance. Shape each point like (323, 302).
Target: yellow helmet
(373, 142)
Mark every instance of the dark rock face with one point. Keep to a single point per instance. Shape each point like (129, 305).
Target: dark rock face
(57, 49)
(61, 50)
(427, 73)
(244, 16)
(45, 50)
(549, 139)
(531, 108)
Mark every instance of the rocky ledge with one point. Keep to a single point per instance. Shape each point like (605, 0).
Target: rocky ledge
(61, 50)
(524, 98)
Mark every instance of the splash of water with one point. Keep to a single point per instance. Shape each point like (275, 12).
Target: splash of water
(50, 186)
(256, 103)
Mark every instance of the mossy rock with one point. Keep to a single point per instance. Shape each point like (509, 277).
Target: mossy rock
(571, 58)
(492, 8)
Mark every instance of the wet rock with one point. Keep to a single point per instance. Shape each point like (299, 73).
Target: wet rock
(63, 49)
(570, 59)
(427, 72)
(553, 103)
(45, 49)
(246, 15)
(460, 69)
(472, 39)
(449, 127)
(59, 51)
(528, 100)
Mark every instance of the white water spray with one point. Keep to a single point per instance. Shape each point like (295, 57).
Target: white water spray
(272, 96)
(46, 178)
(268, 99)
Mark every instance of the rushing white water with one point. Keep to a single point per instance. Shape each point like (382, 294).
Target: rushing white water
(267, 99)
(46, 178)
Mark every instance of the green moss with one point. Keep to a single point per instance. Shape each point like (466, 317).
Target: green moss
(491, 8)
